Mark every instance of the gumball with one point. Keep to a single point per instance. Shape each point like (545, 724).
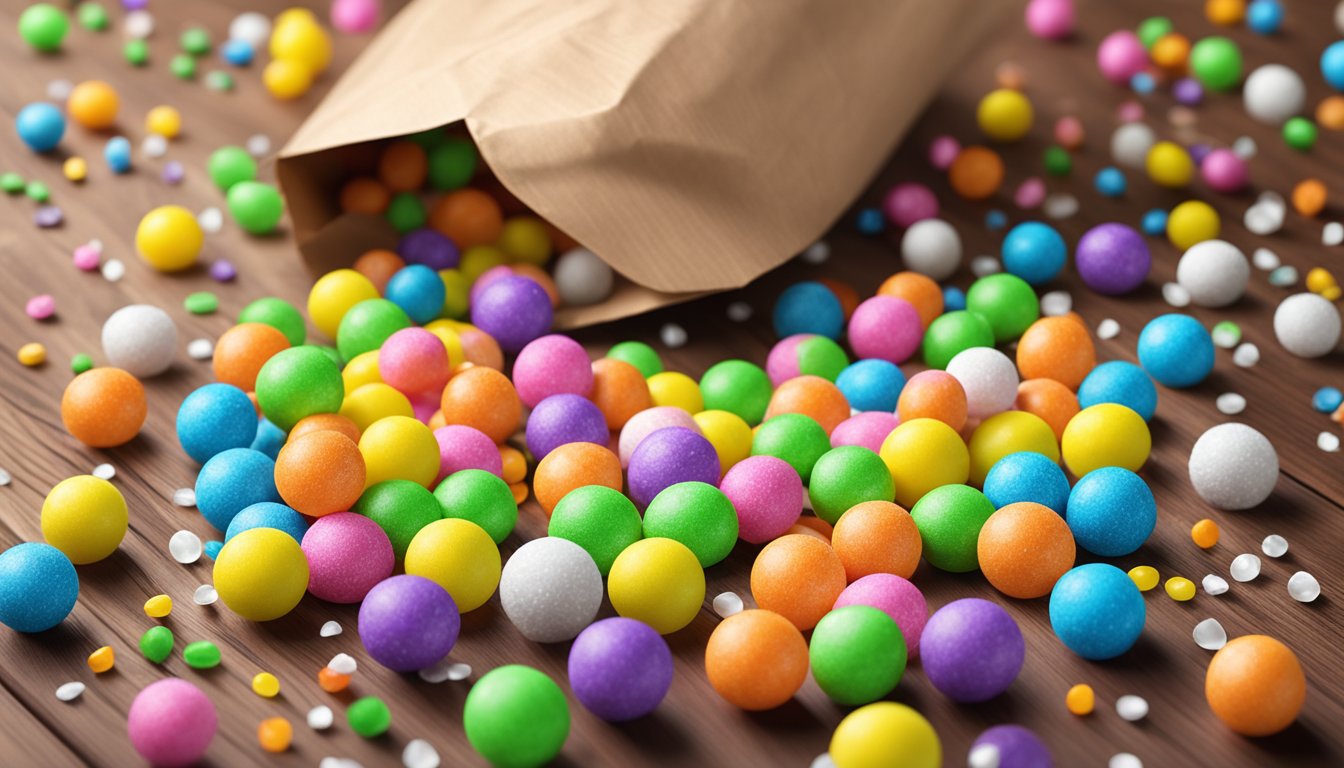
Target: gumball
(867, 429)
(1014, 745)
(1130, 144)
(619, 391)
(407, 623)
(949, 519)
(923, 454)
(1097, 611)
(1050, 19)
(767, 495)
(171, 722)
(1216, 63)
(908, 203)
(620, 669)
(894, 596)
(988, 377)
(886, 328)
(885, 734)
(669, 456)
(514, 310)
(241, 352)
(756, 660)
(876, 537)
(256, 206)
(648, 421)
(1224, 171)
(1169, 165)
(348, 554)
(1264, 16)
(679, 390)
(370, 402)
(1112, 259)
(1214, 272)
(516, 716)
(93, 104)
(1176, 350)
(85, 518)
(1004, 115)
(871, 385)
(481, 497)
(933, 395)
(1307, 325)
(808, 307)
(232, 480)
(459, 556)
(483, 398)
(1006, 433)
(401, 448)
(320, 473)
(279, 314)
(1058, 348)
(1006, 302)
(38, 587)
(1192, 222)
(298, 382)
(40, 125)
(104, 407)
(44, 26)
(355, 17)
(696, 514)
(583, 278)
(229, 165)
(463, 448)
(1027, 476)
(1111, 512)
(599, 519)
(551, 365)
(378, 266)
(418, 291)
(799, 577)
(1332, 65)
(804, 354)
(1105, 435)
(571, 466)
(140, 339)
(921, 292)
(561, 419)
(638, 354)
(972, 650)
(1121, 56)
(810, 396)
(268, 514)
(738, 387)
(847, 476)
(659, 582)
(1050, 400)
(953, 333)
(452, 163)
(975, 174)
(1120, 382)
(932, 247)
(401, 508)
(1024, 548)
(857, 654)
(1255, 685)
(728, 433)
(261, 574)
(793, 437)
(414, 361)
(1233, 466)
(368, 324)
(1034, 252)
(215, 418)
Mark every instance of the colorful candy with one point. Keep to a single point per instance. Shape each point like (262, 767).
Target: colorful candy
(756, 660)
(84, 517)
(407, 623)
(972, 650)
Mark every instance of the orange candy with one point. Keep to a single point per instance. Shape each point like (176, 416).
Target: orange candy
(1171, 52)
(799, 577)
(920, 290)
(1205, 534)
(519, 491)
(933, 395)
(332, 681)
(813, 526)
(379, 266)
(849, 298)
(877, 537)
(756, 660)
(1053, 402)
(976, 173)
(619, 391)
(467, 217)
(1330, 113)
(403, 166)
(483, 398)
(242, 350)
(320, 473)
(514, 463)
(1056, 348)
(319, 422)
(1309, 197)
(1255, 685)
(275, 734)
(480, 348)
(1024, 548)
(364, 195)
(811, 396)
(574, 465)
(104, 407)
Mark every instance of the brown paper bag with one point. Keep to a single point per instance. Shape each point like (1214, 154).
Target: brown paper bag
(691, 144)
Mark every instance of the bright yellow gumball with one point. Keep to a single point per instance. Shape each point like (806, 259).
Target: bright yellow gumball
(1106, 435)
(301, 38)
(883, 735)
(1191, 222)
(1005, 433)
(659, 582)
(447, 331)
(360, 370)
(334, 294)
(1169, 165)
(456, 293)
(169, 239)
(923, 454)
(676, 389)
(93, 104)
(261, 574)
(164, 121)
(728, 433)
(84, 517)
(375, 401)
(287, 79)
(524, 239)
(1004, 115)
(478, 259)
(459, 556)
(399, 448)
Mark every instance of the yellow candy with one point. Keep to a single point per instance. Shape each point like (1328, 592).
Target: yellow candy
(85, 517)
(372, 402)
(883, 735)
(1144, 577)
(266, 685)
(75, 168)
(158, 606)
(459, 556)
(923, 454)
(1205, 534)
(169, 239)
(1005, 433)
(1170, 165)
(287, 79)
(298, 37)
(1227, 13)
(676, 389)
(1004, 115)
(728, 433)
(477, 259)
(1319, 280)
(102, 659)
(524, 239)
(1180, 588)
(447, 331)
(1080, 699)
(32, 354)
(399, 448)
(457, 293)
(164, 121)
(360, 370)
(1105, 435)
(334, 294)
(1191, 222)
(261, 574)
(659, 582)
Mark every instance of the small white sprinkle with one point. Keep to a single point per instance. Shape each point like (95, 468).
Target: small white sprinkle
(113, 270)
(1244, 147)
(185, 547)
(5, 478)
(984, 756)
(59, 90)
(1215, 584)
(1131, 708)
(823, 761)
(727, 604)
(200, 349)
(1274, 545)
(739, 311)
(154, 145)
(982, 266)
(816, 253)
(1210, 635)
(1124, 760)
(338, 762)
(342, 664)
(1245, 567)
(1175, 295)
(330, 629)
(1056, 303)
(1230, 403)
(1108, 329)
(1265, 259)
(458, 672)
(673, 336)
(184, 497)
(70, 691)
(1332, 233)
(205, 595)
(1303, 587)
(211, 219)
(1246, 355)
(138, 25)
(320, 717)
(436, 672)
(1060, 205)
(420, 754)
(258, 144)
(1328, 442)
(1262, 219)
(104, 471)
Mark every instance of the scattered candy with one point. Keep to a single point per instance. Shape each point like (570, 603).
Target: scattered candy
(1303, 587)
(1245, 567)
(1210, 635)
(1214, 584)
(1274, 545)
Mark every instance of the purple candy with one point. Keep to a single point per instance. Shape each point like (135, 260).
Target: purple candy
(620, 669)
(669, 456)
(48, 216)
(173, 172)
(223, 271)
(1113, 259)
(514, 310)
(565, 418)
(1188, 91)
(972, 650)
(429, 247)
(408, 623)
(1018, 747)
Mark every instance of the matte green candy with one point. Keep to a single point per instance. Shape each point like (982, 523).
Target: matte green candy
(369, 717)
(157, 644)
(452, 163)
(279, 314)
(12, 183)
(256, 206)
(229, 165)
(739, 387)
(195, 41)
(405, 212)
(1152, 29)
(795, 438)
(1006, 302)
(600, 519)
(81, 363)
(845, 476)
(516, 716)
(92, 16)
(857, 654)
(401, 508)
(949, 519)
(201, 303)
(481, 497)
(43, 26)
(697, 515)
(296, 383)
(819, 356)
(1216, 63)
(1300, 133)
(201, 654)
(954, 332)
(367, 325)
(1057, 161)
(218, 80)
(136, 52)
(183, 66)
(37, 191)
(638, 354)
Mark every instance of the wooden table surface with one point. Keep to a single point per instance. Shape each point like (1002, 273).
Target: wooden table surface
(693, 726)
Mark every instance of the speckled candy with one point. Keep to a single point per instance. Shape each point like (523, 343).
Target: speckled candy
(844, 477)
(38, 587)
(171, 723)
(871, 385)
(799, 577)
(401, 508)
(988, 378)
(972, 650)
(867, 429)
(1176, 350)
(739, 387)
(805, 354)
(1233, 466)
(793, 437)
(908, 203)
(462, 447)
(268, 514)
(232, 480)
(886, 328)
(620, 669)
(812, 396)
(366, 325)
(414, 361)
(648, 421)
(669, 456)
(514, 310)
(697, 515)
(1112, 259)
(140, 339)
(565, 418)
(895, 596)
(767, 494)
(550, 589)
(1016, 747)
(552, 365)
(482, 498)
(298, 382)
(1027, 476)
(215, 418)
(1118, 381)
(1097, 611)
(808, 307)
(949, 518)
(428, 247)
(408, 623)
(348, 554)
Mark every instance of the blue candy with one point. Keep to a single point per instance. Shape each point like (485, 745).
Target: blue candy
(1027, 476)
(870, 221)
(270, 438)
(995, 220)
(1154, 223)
(808, 307)
(215, 418)
(1110, 181)
(1265, 17)
(40, 125)
(418, 290)
(239, 53)
(1327, 399)
(232, 481)
(1119, 382)
(268, 514)
(1332, 65)
(1142, 82)
(954, 299)
(1034, 252)
(871, 385)
(117, 154)
(1097, 611)
(38, 587)
(1111, 512)
(1176, 350)
(212, 549)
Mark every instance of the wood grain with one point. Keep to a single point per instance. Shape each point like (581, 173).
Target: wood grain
(693, 726)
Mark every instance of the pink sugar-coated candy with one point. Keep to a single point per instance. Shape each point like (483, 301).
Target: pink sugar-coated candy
(645, 423)
(909, 203)
(414, 361)
(552, 365)
(355, 17)
(768, 496)
(896, 597)
(942, 151)
(1130, 112)
(347, 555)
(1050, 19)
(462, 447)
(171, 722)
(782, 362)
(886, 328)
(86, 257)
(1223, 171)
(486, 278)
(1069, 132)
(867, 429)
(1030, 193)
(1121, 56)
(425, 405)
(40, 307)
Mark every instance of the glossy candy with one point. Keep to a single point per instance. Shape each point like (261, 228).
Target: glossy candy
(40, 125)
(1034, 252)
(884, 734)
(1112, 259)
(923, 454)
(1105, 435)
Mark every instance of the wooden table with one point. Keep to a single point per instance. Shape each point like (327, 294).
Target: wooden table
(693, 726)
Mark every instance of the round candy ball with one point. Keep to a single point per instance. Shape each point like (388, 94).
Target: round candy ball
(1015, 747)
(697, 515)
(1006, 433)
(949, 519)
(171, 722)
(871, 385)
(857, 654)
(481, 497)
(268, 514)
(1176, 350)
(886, 328)
(620, 669)
(1273, 93)
(767, 494)
(648, 421)
(242, 350)
(418, 290)
(550, 589)
(728, 433)
(40, 125)
(1130, 144)
(795, 438)
(933, 395)
(1255, 685)
(516, 716)
(988, 378)
(407, 623)
(1050, 19)
(231, 481)
(215, 418)
(85, 518)
(799, 577)
(1111, 512)
(1105, 435)
(298, 382)
(1097, 611)
(1169, 165)
(924, 454)
(867, 429)
(1004, 115)
(573, 466)
(483, 398)
(140, 339)
(463, 448)
(43, 26)
(1265, 17)
(1112, 259)
(1050, 400)
(756, 660)
(953, 333)
(347, 555)
(399, 447)
(601, 520)
(355, 17)
(669, 456)
(972, 650)
(1233, 466)
(846, 476)
(1216, 62)
(738, 387)
(876, 537)
(894, 596)
(808, 307)
(1058, 348)
(1191, 222)
(256, 206)
(885, 733)
(1006, 302)
(1307, 325)
(104, 407)
(1024, 548)
(1027, 476)
(909, 203)
(1223, 171)
(582, 277)
(811, 396)
(414, 361)
(1332, 65)
(93, 104)
(552, 365)
(975, 173)
(932, 248)
(619, 391)
(565, 418)
(401, 508)
(428, 248)
(368, 324)
(1214, 272)
(804, 354)
(1034, 252)
(38, 587)
(459, 556)
(229, 165)
(514, 310)
(334, 294)
(261, 574)
(1120, 56)
(1118, 381)
(659, 582)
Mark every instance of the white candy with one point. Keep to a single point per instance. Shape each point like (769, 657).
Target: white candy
(1214, 272)
(343, 664)
(211, 219)
(5, 478)
(138, 25)
(200, 349)
(154, 145)
(1273, 93)
(1215, 585)
(1230, 403)
(1131, 708)
(458, 672)
(1108, 329)
(1246, 355)
(550, 589)
(1328, 442)
(1303, 587)
(823, 761)
(984, 756)
(320, 718)
(59, 90)
(1274, 545)
(184, 497)
(104, 471)
(205, 595)
(420, 754)
(727, 604)
(1307, 325)
(330, 629)
(739, 311)
(1124, 760)
(931, 247)
(989, 378)
(1175, 295)
(141, 339)
(1056, 303)
(1245, 567)
(1060, 205)
(1130, 144)
(1244, 147)
(1210, 635)
(1332, 233)
(255, 28)
(982, 266)
(338, 762)
(816, 253)
(1233, 466)
(581, 278)
(185, 547)
(112, 270)
(1265, 259)
(445, 669)
(70, 691)
(258, 144)
(673, 336)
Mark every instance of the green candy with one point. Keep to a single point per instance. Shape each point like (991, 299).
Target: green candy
(1006, 302)
(157, 644)
(857, 654)
(428, 139)
(277, 313)
(81, 363)
(256, 206)
(600, 519)
(183, 66)
(201, 303)
(697, 515)
(819, 356)
(369, 717)
(405, 212)
(37, 191)
(136, 52)
(195, 41)
(452, 163)
(481, 497)
(516, 716)
(43, 26)
(952, 333)
(795, 438)
(1057, 161)
(367, 325)
(1153, 29)
(333, 354)
(638, 354)
(1216, 63)
(298, 382)
(1300, 133)
(739, 387)
(201, 654)
(401, 508)
(229, 165)
(949, 519)
(218, 80)
(12, 183)
(845, 476)
(92, 16)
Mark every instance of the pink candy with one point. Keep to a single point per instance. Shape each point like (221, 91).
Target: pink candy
(1069, 132)
(1130, 112)
(348, 554)
(171, 722)
(943, 151)
(40, 307)
(768, 496)
(87, 257)
(886, 328)
(414, 361)
(1050, 19)
(909, 203)
(1223, 171)
(462, 447)
(896, 597)
(355, 17)
(552, 365)
(1121, 56)
(868, 429)
(1030, 193)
